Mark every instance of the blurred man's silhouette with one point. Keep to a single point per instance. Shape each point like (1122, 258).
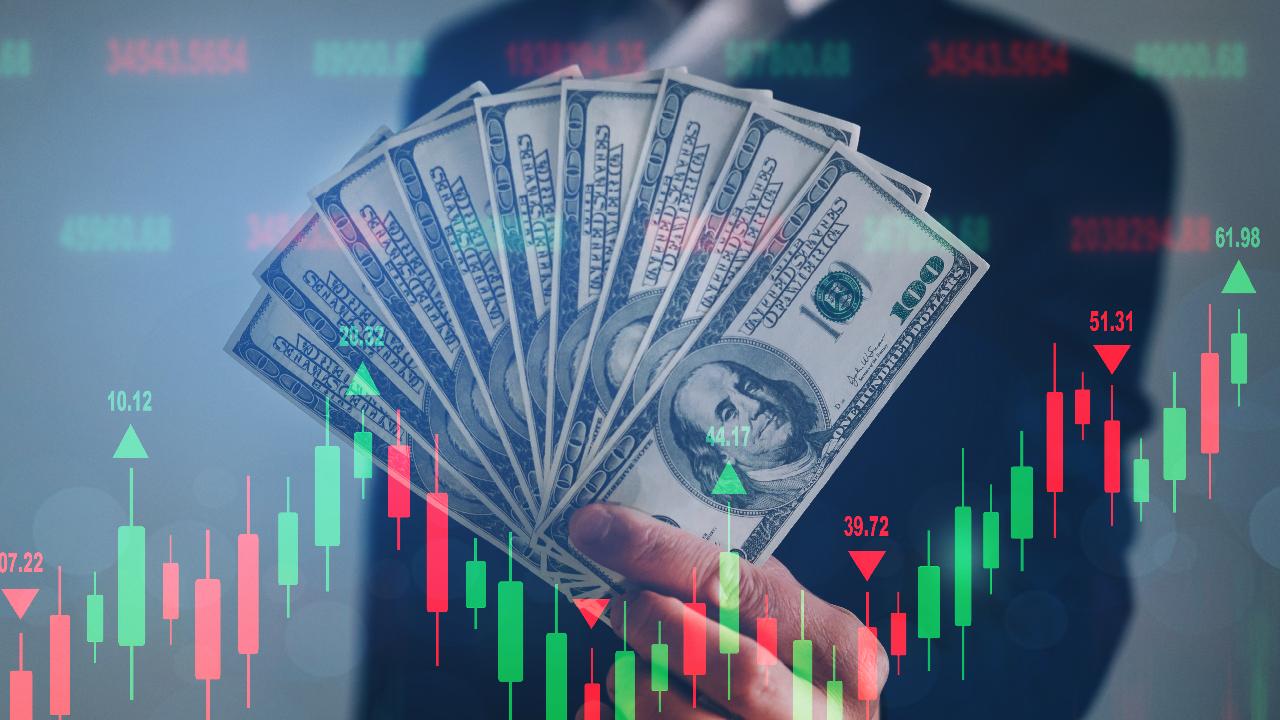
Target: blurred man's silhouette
(1028, 153)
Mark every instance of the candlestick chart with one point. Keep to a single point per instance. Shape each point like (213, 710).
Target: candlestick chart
(986, 539)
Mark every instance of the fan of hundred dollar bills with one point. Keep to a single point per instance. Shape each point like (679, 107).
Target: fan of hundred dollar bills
(652, 289)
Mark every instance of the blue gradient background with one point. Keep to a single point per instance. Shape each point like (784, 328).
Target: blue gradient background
(210, 151)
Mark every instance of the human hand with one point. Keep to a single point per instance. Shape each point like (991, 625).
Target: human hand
(658, 562)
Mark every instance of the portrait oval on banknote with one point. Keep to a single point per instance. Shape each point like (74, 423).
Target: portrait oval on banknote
(454, 445)
(535, 363)
(505, 386)
(569, 351)
(462, 498)
(737, 383)
(617, 342)
(472, 408)
(455, 450)
(656, 357)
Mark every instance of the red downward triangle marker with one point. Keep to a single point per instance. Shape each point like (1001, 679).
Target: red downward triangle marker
(1111, 355)
(867, 561)
(591, 609)
(20, 599)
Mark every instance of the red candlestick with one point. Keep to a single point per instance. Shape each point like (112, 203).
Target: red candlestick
(898, 634)
(591, 693)
(437, 550)
(208, 628)
(1082, 406)
(591, 701)
(170, 597)
(247, 604)
(766, 641)
(1053, 412)
(398, 485)
(1210, 374)
(1055, 424)
(695, 639)
(1111, 456)
(868, 657)
(20, 690)
(60, 659)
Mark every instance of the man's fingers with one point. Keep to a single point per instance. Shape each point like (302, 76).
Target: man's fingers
(672, 704)
(644, 550)
(747, 683)
(735, 681)
(857, 664)
(656, 555)
(653, 554)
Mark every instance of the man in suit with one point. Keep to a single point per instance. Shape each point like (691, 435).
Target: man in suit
(1025, 152)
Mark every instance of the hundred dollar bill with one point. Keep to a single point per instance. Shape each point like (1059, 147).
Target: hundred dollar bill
(779, 156)
(771, 158)
(519, 132)
(800, 354)
(278, 347)
(439, 174)
(693, 123)
(838, 130)
(602, 125)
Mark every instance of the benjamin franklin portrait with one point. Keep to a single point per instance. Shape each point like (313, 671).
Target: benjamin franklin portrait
(733, 385)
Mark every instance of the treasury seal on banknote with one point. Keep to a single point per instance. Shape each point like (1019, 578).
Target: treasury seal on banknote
(838, 295)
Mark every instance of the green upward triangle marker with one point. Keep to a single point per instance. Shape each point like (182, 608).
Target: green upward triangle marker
(1238, 283)
(130, 447)
(361, 383)
(729, 482)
